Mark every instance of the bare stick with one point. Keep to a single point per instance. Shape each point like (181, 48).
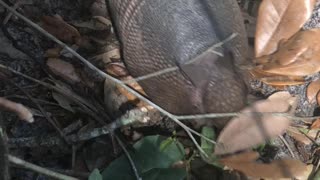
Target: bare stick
(175, 68)
(24, 164)
(233, 114)
(287, 145)
(133, 166)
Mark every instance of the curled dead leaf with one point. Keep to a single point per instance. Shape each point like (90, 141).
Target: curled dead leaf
(285, 96)
(250, 129)
(281, 95)
(130, 96)
(312, 91)
(277, 81)
(63, 69)
(302, 53)
(298, 136)
(284, 168)
(279, 20)
(56, 26)
(19, 109)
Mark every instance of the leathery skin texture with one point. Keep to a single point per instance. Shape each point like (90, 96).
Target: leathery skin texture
(159, 34)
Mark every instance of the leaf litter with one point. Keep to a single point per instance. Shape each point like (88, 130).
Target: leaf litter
(285, 56)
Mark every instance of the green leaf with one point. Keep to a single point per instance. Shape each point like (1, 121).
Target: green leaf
(164, 144)
(164, 174)
(208, 147)
(153, 157)
(95, 175)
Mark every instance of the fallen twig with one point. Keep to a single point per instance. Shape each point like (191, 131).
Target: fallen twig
(287, 145)
(175, 68)
(133, 166)
(24, 164)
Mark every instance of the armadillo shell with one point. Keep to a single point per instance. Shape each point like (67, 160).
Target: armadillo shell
(158, 34)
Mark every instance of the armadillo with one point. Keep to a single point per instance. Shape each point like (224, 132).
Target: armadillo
(161, 34)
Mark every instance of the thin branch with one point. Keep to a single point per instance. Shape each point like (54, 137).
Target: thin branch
(24, 164)
(175, 68)
(151, 75)
(234, 114)
(212, 48)
(287, 145)
(133, 166)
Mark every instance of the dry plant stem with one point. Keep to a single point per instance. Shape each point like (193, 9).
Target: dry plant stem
(21, 163)
(287, 145)
(82, 175)
(212, 48)
(233, 114)
(175, 68)
(133, 166)
(15, 6)
(103, 74)
(39, 101)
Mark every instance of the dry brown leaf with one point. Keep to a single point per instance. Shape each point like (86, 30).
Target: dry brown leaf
(63, 101)
(302, 50)
(279, 20)
(318, 98)
(56, 26)
(63, 69)
(285, 168)
(312, 90)
(281, 95)
(249, 129)
(284, 96)
(22, 112)
(298, 136)
(132, 97)
(315, 124)
(279, 82)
